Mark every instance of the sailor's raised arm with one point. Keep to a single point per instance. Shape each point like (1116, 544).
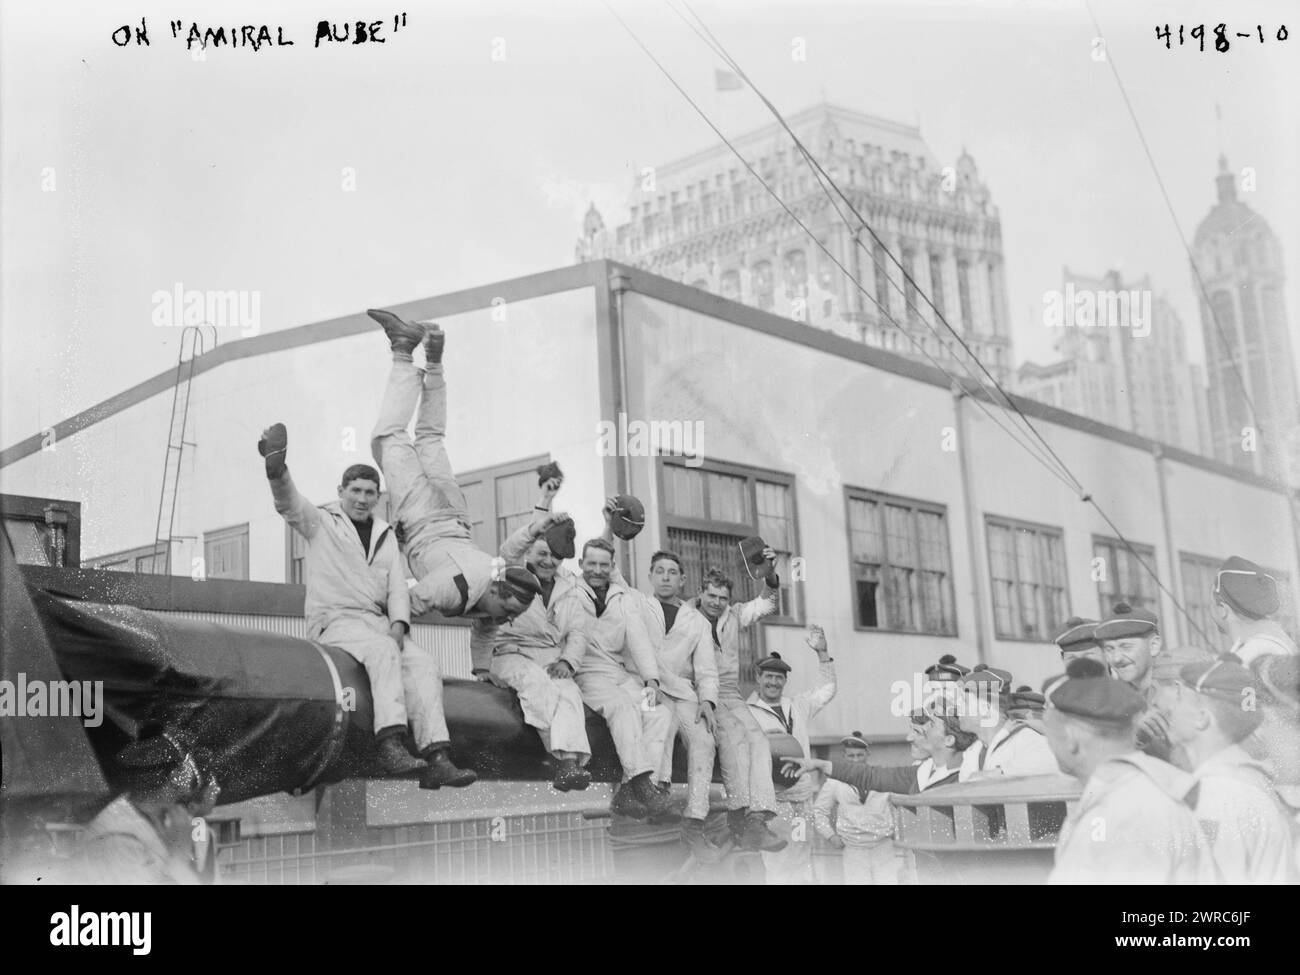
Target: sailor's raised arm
(766, 602)
(295, 509)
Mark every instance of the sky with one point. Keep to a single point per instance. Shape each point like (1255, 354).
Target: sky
(466, 148)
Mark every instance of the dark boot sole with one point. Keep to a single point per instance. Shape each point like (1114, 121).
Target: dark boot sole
(402, 336)
(457, 783)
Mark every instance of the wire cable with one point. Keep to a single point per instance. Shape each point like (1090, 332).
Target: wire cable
(1072, 482)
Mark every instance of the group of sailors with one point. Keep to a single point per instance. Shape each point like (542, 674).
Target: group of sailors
(658, 666)
(1189, 761)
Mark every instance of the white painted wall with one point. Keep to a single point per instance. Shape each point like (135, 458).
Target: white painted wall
(769, 402)
(327, 394)
(530, 384)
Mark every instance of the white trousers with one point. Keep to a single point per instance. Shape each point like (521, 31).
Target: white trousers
(700, 750)
(552, 706)
(639, 731)
(405, 685)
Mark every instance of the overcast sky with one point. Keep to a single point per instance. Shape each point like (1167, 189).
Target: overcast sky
(128, 170)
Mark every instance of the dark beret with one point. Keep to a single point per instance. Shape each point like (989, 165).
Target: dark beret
(1279, 675)
(946, 669)
(1027, 699)
(855, 739)
(521, 584)
(1087, 692)
(1078, 634)
(773, 661)
(547, 471)
(1224, 678)
(1125, 621)
(1247, 588)
(984, 674)
(561, 538)
(628, 517)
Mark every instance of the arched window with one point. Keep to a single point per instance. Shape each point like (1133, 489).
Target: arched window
(764, 286)
(730, 283)
(796, 274)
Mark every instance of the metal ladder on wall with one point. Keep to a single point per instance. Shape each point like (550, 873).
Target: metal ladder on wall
(192, 341)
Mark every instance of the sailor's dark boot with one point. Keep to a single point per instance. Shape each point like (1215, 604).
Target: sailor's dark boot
(736, 822)
(757, 836)
(434, 341)
(625, 803)
(569, 777)
(393, 759)
(403, 336)
(657, 803)
(442, 772)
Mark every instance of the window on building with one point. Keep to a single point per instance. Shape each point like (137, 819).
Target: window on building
(995, 320)
(42, 531)
(709, 509)
(936, 283)
(30, 541)
(882, 278)
(796, 274)
(764, 286)
(910, 296)
(730, 285)
(141, 559)
(295, 555)
(225, 553)
(1198, 574)
(902, 564)
(500, 499)
(1124, 580)
(963, 294)
(1027, 568)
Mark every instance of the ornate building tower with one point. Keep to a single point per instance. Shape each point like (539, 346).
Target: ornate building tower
(1248, 352)
(705, 221)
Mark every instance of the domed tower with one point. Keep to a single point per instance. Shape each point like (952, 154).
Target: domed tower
(594, 242)
(1248, 355)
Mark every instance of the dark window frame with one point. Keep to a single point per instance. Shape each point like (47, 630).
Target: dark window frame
(488, 477)
(752, 475)
(292, 538)
(852, 494)
(132, 555)
(1148, 554)
(21, 507)
(239, 530)
(1038, 528)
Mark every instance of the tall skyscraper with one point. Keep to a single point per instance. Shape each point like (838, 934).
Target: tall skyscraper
(1248, 352)
(704, 220)
(1124, 361)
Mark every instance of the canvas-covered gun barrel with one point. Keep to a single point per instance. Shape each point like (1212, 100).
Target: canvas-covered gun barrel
(261, 711)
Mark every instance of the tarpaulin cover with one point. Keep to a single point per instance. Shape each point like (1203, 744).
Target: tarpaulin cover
(41, 757)
(264, 712)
